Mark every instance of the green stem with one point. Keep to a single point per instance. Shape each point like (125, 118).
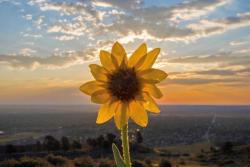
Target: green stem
(125, 145)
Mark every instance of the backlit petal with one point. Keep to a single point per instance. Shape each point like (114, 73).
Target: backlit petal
(121, 115)
(152, 90)
(106, 60)
(153, 75)
(150, 59)
(100, 97)
(106, 112)
(118, 53)
(90, 87)
(137, 113)
(137, 55)
(149, 104)
(98, 72)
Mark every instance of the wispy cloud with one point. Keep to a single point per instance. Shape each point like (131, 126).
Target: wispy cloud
(63, 60)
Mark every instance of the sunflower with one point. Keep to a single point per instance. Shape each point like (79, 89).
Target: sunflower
(125, 86)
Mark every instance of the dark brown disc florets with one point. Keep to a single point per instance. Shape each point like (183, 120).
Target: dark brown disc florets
(124, 84)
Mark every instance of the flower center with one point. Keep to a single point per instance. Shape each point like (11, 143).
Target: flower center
(124, 84)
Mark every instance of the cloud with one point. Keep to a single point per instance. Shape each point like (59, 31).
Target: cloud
(27, 51)
(121, 4)
(159, 30)
(219, 72)
(73, 29)
(32, 35)
(183, 11)
(39, 22)
(130, 18)
(237, 43)
(214, 76)
(65, 38)
(206, 28)
(199, 81)
(83, 8)
(55, 61)
(62, 60)
(221, 58)
(27, 17)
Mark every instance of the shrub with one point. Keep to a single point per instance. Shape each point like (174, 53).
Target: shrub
(148, 162)
(9, 163)
(56, 160)
(137, 163)
(10, 149)
(105, 163)
(165, 163)
(30, 162)
(227, 147)
(84, 162)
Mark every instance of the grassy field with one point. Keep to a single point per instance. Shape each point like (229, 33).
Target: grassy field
(19, 137)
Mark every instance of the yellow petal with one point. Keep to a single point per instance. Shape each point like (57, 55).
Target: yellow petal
(150, 59)
(149, 103)
(106, 60)
(152, 90)
(98, 72)
(90, 87)
(107, 111)
(100, 97)
(118, 53)
(153, 75)
(121, 115)
(138, 113)
(137, 55)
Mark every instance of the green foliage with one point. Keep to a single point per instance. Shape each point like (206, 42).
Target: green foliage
(84, 162)
(56, 160)
(139, 138)
(76, 144)
(165, 163)
(10, 149)
(9, 163)
(30, 162)
(138, 163)
(227, 147)
(65, 143)
(25, 162)
(51, 144)
(117, 156)
(105, 163)
(104, 142)
(148, 162)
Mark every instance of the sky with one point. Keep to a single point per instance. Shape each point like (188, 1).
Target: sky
(46, 47)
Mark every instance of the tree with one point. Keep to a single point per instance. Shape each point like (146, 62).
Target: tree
(51, 144)
(92, 142)
(138, 136)
(38, 146)
(76, 144)
(65, 143)
(10, 149)
(100, 140)
(111, 138)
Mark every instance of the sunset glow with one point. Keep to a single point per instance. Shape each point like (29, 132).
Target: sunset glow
(46, 47)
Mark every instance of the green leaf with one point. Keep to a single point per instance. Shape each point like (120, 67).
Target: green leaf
(118, 158)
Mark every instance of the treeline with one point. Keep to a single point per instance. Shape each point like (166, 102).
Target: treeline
(50, 143)
(61, 161)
